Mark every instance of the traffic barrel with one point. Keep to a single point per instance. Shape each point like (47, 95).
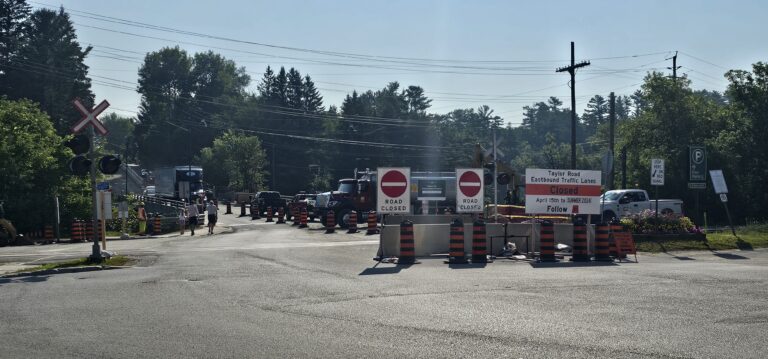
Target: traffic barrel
(75, 232)
(602, 243)
(479, 250)
(242, 209)
(371, 223)
(89, 230)
(616, 227)
(255, 212)
(456, 254)
(330, 222)
(580, 249)
(303, 223)
(48, 233)
(158, 227)
(269, 214)
(407, 244)
(296, 216)
(229, 208)
(547, 242)
(280, 215)
(352, 222)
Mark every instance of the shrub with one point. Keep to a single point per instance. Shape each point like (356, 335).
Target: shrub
(646, 222)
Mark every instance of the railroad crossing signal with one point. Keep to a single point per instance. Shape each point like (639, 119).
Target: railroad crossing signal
(90, 117)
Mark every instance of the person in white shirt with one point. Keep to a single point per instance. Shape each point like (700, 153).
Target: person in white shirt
(192, 214)
(213, 212)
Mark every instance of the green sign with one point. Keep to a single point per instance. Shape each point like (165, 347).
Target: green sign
(697, 160)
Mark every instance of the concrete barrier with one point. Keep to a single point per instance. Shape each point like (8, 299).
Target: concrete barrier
(432, 235)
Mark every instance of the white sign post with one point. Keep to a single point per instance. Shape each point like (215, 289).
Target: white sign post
(469, 190)
(657, 179)
(393, 190)
(562, 191)
(718, 182)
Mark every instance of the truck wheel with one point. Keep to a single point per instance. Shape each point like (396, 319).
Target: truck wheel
(343, 218)
(666, 211)
(609, 216)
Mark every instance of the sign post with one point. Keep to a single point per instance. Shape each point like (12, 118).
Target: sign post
(697, 172)
(394, 195)
(469, 190)
(90, 118)
(657, 179)
(718, 182)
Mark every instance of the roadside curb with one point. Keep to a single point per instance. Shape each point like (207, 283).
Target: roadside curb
(61, 271)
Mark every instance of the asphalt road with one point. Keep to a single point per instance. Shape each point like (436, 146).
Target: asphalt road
(272, 290)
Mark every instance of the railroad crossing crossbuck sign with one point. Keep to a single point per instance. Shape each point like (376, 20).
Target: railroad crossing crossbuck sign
(90, 117)
(394, 195)
(469, 190)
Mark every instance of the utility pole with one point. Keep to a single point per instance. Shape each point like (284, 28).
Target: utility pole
(572, 70)
(624, 167)
(611, 140)
(674, 67)
(95, 250)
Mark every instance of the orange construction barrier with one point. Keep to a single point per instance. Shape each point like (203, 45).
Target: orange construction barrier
(157, 227)
(602, 243)
(269, 214)
(547, 243)
(296, 216)
(48, 233)
(303, 223)
(625, 244)
(330, 222)
(616, 227)
(372, 223)
(407, 244)
(89, 233)
(352, 222)
(456, 254)
(479, 250)
(580, 248)
(280, 215)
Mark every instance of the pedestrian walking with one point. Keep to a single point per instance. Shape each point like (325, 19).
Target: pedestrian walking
(141, 214)
(192, 214)
(213, 212)
(182, 220)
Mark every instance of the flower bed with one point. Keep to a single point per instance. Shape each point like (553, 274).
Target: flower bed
(646, 222)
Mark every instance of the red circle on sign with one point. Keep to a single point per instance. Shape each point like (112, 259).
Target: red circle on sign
(470, 183)
(394, 184)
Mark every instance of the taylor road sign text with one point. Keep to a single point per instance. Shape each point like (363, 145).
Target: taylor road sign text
(562, 191)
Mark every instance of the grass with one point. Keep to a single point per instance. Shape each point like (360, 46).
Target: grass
(82, 262)
(749, 237)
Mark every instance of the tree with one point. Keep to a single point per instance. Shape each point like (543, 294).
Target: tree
(120, 131)
(595, 114)
(312, 100)
(13, 16)
(34, 160)
(49, 68)
(236, 161)
(295, 90)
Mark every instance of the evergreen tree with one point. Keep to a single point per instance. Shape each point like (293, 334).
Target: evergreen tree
(13, 16)
(312, 101)
(49, 68)
(295, 90)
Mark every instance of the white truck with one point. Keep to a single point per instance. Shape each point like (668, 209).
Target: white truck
(624, 202)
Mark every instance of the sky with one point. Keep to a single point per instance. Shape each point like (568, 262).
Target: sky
(463, 53)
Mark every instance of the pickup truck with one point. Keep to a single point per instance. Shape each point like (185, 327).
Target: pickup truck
(265, 199)
(624, 202)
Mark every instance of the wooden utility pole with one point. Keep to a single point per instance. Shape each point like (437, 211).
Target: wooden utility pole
(674, 67)
(572, 70)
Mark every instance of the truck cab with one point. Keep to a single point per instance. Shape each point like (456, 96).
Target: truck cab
(625, 202)
(358, 195)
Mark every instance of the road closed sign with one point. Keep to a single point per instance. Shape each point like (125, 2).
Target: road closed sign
(393, 194)
(562, 191)
(469, 190)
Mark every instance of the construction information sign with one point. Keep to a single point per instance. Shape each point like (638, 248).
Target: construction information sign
(393, 194)
(562, 191)
(469, 190)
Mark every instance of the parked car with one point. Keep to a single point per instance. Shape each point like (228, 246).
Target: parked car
(624, 202)
(303, 200)
(265, 199)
